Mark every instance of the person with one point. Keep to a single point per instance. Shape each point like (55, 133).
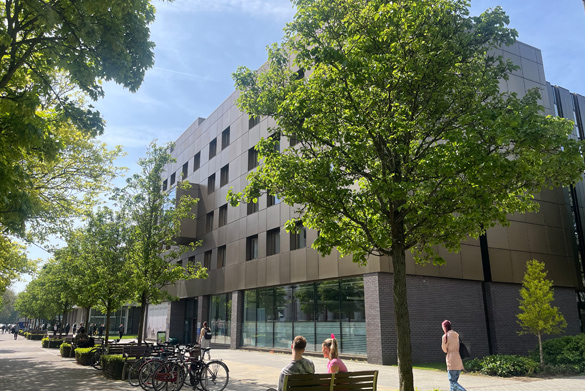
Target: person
(81, 329)
(82, 339)
(15, 331)
(54, 329)
(74, 327)
(67, 328)
(205, 340)
(299, 364)
(101, 330)
(450, 345)
(331, 351)
(121, 330)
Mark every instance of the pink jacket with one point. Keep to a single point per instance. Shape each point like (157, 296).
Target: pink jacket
(451, 347)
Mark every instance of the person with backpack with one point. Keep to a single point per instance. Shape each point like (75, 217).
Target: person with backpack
(450, 345)
(205, 339)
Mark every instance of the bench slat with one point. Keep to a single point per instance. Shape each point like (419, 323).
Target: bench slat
(349, 381)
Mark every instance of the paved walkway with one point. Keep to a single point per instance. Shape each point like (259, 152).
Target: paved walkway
(25, 366)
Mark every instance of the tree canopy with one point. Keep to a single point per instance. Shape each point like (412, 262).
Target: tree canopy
(404, 140)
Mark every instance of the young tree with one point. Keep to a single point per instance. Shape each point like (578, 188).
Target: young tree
(8, 313)
(13, 262)
(156, 217)
(404, 140)
(538, 317)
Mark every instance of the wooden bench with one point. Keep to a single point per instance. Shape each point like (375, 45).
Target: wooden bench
(135, 352)
(349, 381)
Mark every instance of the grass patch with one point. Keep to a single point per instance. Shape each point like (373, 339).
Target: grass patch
(130, 336)
(440, 366)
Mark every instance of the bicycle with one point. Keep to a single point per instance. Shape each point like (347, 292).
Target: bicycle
(206, 376)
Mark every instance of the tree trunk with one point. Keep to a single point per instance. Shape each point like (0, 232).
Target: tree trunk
(86, 322)
(540, 349)
(108, 324)
(405, 378)
(142, 316)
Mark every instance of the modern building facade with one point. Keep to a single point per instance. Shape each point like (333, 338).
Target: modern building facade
(265, 285)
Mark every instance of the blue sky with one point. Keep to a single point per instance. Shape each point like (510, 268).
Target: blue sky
(199, 43)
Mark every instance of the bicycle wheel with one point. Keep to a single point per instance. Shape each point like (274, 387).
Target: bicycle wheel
(215, 376)
(134, 371)
(146, 373)
(95, 360)
(169, 377)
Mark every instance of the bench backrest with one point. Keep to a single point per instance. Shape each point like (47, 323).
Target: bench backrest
(135, 350)
(115, 349)
(349, 381)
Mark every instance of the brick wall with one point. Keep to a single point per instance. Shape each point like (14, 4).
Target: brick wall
(380, 324)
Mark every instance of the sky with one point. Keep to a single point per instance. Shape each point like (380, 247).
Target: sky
(200, 43)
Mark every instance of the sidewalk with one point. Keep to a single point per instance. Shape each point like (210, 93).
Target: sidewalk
(25, 366)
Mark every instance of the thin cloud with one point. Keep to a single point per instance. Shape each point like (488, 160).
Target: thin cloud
(189, 75)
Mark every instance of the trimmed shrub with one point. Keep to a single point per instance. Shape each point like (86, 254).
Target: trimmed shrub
(112, 366)
(564, 351)
(503, 365)
(82, 355)
(65, 349)
(45, 342)
(36, 337)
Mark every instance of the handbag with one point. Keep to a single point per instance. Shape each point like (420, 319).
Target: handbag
(463, 351)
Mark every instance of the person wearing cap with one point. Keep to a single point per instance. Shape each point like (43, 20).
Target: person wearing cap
(450, 345)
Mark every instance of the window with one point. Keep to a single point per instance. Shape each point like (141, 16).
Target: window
(276, 146)
(252, 158)
(252, 207)
(211, 184)
(298, 240)
(273, 241)
(224, 177)
(173, 179)
(191, 260)
(212, 148)
(253, 121)
(209, 222)
(221, 251)
(223, 215)
(293, 140)
(252, 247)
(225, 138)
(273, 200)
(197, 161)
(185, 170)
(207, 259)
(165, 185)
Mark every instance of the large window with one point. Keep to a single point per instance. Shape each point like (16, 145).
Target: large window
(185, 170)
(225, 138)
(273, 200)
(224, 177)
(221, 253)
(251, 247)
(209, 222)
(274, 316)
(252, 158)
(220, 315)
(299, 239)
(212, 148)
(223, 215)
(197, 161)
(273, 241)
(253, 121)
(211, 184)
(207, 259)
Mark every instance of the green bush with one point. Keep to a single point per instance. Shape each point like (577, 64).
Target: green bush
(112, 366)
(36, 337)
(564, 352)
(82, 355)
(503, 365)
(65, 349)
(45, 342)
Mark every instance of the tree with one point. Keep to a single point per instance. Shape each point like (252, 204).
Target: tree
(106, 243)
(538, 317)
(404, 140)
(44, 46)
(8, 313)
(13, 262)
(156, 217)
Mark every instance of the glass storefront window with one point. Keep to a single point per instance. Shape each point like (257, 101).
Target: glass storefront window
(220, 311)
(274, 316)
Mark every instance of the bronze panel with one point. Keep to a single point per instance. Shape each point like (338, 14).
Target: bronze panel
(501, 266)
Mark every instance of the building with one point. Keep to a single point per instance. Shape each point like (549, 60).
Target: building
(265, 285)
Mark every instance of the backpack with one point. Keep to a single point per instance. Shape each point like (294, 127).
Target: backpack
(208, 333)
(463, 351)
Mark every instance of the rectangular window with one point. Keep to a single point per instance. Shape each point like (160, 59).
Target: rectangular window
(211, 184)
(225, 138)
(273, 200)
(224, 177)
(212, 148)
(251, 247)
(253, 121)
(276, 139)
(185, 170)
(292, 140)
(197, 161)
(207, 259)
(273, 241)
(221, 251)
(252, 207)
(223, 215)
(172, 179)
(165, 185)
(298, 240)
(252, 158)
(191, 260)
(209, 222)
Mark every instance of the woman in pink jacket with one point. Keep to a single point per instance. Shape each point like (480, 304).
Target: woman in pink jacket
(450, 345)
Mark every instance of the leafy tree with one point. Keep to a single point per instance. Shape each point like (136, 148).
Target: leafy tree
(45, 45)
(404, 140)
(13, 262)
(8, 313)
(538, 317)
(106, 242)
(156, 217)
